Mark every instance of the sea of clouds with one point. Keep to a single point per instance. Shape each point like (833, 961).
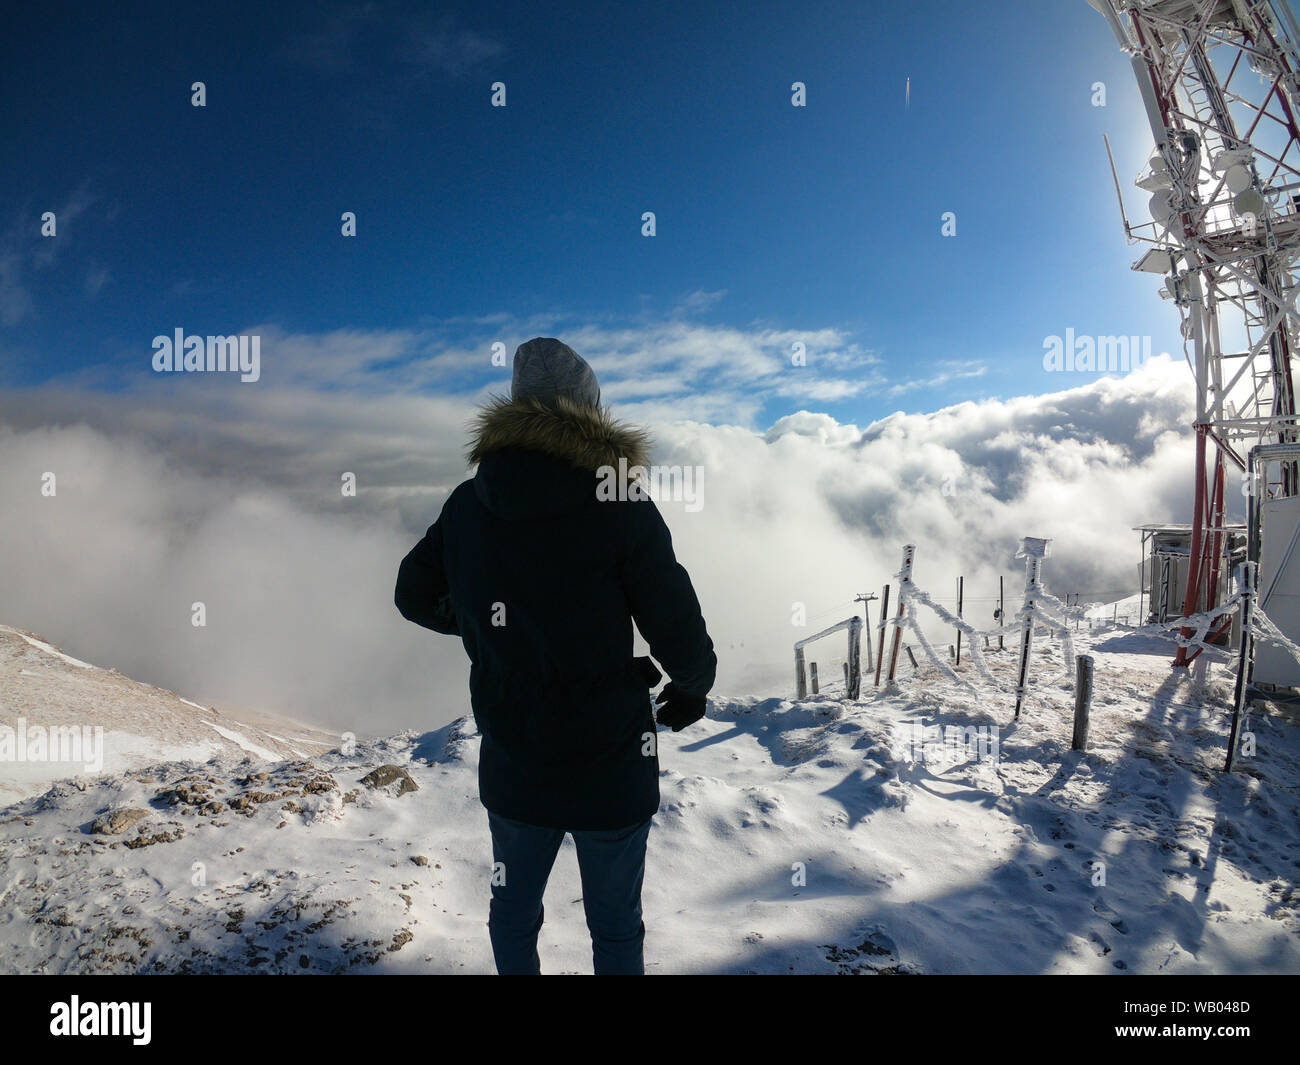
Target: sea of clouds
(229, 494)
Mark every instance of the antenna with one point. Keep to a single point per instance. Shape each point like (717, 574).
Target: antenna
(1222, 183)
(1128, 231)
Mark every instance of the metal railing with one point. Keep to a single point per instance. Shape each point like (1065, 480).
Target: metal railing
(853, 678)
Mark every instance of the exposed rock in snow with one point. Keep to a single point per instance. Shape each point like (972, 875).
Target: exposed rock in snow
(115, 822)
(390, 775)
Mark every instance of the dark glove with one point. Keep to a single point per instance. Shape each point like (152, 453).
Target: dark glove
(677, 709)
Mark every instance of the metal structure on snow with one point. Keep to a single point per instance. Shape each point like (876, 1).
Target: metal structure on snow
(1220, 85)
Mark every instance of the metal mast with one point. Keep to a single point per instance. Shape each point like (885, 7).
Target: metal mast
(1218, 80)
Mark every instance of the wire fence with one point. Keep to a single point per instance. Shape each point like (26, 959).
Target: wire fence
(1040, 609)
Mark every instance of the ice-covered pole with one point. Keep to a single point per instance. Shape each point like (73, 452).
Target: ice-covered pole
(884, 625)
(904, 581)
(1246, 577)
(1033, 551)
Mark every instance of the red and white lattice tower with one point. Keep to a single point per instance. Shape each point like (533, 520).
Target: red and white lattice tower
(1220, 87)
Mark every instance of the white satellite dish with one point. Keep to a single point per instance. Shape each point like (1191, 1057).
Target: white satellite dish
(1162, 206)
(1156, 261)
(1231, 157)
(1237, 178)
(1249, 202)
(1160, 179)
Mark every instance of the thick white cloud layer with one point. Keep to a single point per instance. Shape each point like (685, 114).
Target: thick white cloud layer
(229, 495)
(813, 511)
(298, 603)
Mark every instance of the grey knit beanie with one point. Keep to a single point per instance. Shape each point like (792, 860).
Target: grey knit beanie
(546, 368)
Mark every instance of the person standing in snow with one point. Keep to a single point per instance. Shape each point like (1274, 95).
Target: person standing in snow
(543, 580)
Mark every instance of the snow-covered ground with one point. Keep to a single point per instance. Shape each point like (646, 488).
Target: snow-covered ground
(793, 837)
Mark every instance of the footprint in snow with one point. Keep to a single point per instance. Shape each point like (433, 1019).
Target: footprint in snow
(1110, 917)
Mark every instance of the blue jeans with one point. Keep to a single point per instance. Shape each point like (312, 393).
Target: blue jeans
(612, 864)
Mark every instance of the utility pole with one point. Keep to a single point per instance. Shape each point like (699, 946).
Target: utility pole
(866, 598)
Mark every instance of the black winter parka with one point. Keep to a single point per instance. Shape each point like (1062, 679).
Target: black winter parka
(543, 581)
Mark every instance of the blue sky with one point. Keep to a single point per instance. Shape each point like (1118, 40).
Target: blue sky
(776, 225)
(478, 223)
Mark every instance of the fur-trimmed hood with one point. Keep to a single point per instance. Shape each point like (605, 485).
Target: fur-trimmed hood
(586, 438)
(537, 461)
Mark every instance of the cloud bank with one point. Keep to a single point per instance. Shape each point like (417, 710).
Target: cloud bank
(226, 494)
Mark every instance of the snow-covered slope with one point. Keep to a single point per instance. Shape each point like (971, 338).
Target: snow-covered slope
(42, 689)
(1128, 611)
(793, 837)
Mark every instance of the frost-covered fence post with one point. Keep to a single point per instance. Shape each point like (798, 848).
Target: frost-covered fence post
(1026, 633)
(1002, 609)
(1082, 701)
(852, 664)
(908, 648)
(1247, 575)
(961, 588)
(884, 625)
(905, 578)
(1033, 551)
(853, 667)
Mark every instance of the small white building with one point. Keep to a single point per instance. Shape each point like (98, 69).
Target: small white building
(1166, 554)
